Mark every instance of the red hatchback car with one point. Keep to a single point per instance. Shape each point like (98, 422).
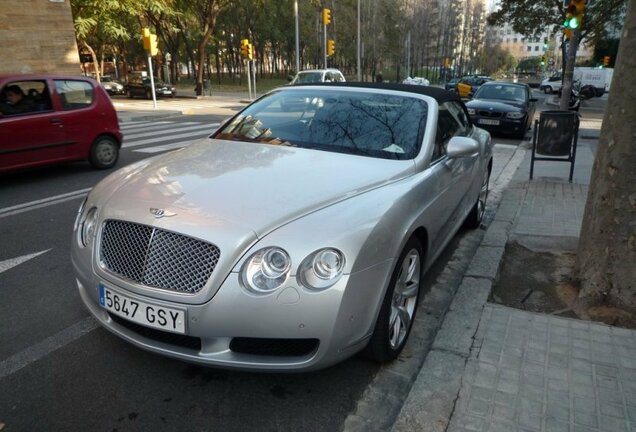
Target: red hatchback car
(46, 119)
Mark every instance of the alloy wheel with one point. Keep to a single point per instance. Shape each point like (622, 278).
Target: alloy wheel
(404, 299)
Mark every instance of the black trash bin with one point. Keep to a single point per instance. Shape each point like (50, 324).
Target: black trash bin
(555, 135)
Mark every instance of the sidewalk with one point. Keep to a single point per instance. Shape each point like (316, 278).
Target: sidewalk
(494, 368)
(228, 102)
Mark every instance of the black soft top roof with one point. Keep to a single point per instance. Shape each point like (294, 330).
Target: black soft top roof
(440, 95)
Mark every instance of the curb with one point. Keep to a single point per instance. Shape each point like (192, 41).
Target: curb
(433, 397)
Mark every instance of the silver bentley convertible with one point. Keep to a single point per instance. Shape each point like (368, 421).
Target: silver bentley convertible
(293, 237)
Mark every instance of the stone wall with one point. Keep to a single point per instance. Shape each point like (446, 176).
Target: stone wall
(37, 37)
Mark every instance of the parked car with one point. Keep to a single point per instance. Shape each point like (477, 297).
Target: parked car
(451, 84)
(285, 241)
(468, 85)
(552, 84)
(317, 76)
(504, 107)
(64, 118)
(416, 81)
(141, 86)
(112, 86)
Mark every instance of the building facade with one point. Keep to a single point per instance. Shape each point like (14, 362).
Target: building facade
(38, 37)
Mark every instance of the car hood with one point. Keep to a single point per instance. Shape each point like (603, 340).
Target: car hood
(496, 104)
(257, 187)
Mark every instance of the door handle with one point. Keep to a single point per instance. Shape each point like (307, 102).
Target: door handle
(56, 121)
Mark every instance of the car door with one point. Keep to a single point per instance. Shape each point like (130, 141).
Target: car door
(34, 137)
(77, 115)
(453, 176)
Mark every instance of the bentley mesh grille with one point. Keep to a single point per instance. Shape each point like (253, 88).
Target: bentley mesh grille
(157, 258)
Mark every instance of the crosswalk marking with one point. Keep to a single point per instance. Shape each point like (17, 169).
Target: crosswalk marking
(145, 125)
(166, 129)
(165, 135)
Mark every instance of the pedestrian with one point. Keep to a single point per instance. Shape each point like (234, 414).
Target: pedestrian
(378, 77)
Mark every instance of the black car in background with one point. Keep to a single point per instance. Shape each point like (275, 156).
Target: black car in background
(503, 107)
(141, 86)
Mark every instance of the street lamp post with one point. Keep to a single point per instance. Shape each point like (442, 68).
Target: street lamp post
(358, 47)
(297, 37)
(168, 58)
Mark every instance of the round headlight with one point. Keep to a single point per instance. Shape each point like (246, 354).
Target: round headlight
(322, 268)
(88, 227)
(515, 115)
(471, 111)
(266, 270)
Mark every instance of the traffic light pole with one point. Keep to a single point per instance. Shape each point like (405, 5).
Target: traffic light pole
(254, 76)
(152, 82)
(324, 33)
(249, 81)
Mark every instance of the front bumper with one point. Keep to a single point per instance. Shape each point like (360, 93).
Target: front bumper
(340, 319)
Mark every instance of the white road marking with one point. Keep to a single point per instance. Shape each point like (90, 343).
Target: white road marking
(21, 208)
(47, 346)
(167, 132)
(12, 262)
(193, 135)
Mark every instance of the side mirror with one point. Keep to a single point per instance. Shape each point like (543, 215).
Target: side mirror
(290, 78)
(459, 146)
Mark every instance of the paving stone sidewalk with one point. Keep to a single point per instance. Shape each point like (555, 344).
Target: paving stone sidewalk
(494, 368)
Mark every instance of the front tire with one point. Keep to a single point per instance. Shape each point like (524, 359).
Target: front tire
(104, 153)
(399, 306)
(476, 215)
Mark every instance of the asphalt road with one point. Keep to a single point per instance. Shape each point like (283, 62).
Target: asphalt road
(58, 371)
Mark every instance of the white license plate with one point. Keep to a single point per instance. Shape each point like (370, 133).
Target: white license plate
(489, 122)
(167, 92)
(146, 314)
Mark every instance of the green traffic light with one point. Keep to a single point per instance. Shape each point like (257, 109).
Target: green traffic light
(573, 23)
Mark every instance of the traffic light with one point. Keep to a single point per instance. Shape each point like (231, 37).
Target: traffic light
(331, 47)
(150, 42)
(245, 48)
(606, 60)
(153, 45)
(250, 51)
(542, 60)
(326, 16)
(574, 15)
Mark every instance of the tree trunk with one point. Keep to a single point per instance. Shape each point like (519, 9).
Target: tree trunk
(606, 256)
(568, 73)
(94, 58)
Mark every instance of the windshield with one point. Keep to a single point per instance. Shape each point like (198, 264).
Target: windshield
(361, 123)
(308, 78)
(502, 92)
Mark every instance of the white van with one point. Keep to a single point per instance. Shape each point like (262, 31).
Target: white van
(600, 79)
